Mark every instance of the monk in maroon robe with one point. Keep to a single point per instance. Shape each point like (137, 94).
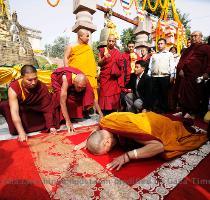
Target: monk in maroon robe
(194, 63)
(29, 106)
(72, 94)
(111, 76)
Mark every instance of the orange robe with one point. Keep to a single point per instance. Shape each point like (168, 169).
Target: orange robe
(151, 126)
(82, 58)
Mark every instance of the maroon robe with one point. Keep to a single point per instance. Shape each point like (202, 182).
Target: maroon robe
(35, 110)
(195, 61)
(111, 80)
(76, 101)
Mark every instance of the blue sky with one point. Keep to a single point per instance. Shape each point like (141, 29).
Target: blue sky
(57, 21)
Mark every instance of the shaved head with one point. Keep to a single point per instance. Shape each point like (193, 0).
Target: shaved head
(81, 32)
(100, 142)
(80, 82)
(81, 78)
(111, 41)
(94, 142)
(196, 37)
(83, 36)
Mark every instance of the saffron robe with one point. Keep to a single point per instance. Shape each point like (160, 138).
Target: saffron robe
(195, 61)
(111, 80)
(35, 108)
(82, 58)
(76, 101)
(151, 126)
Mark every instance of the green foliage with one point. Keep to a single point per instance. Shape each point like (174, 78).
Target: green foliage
(95, 50)
(127, 36)
(56, 50)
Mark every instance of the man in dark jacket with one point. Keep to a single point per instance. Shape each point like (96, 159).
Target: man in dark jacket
(140, 84)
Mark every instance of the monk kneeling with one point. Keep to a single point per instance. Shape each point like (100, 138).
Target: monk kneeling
(29, 106)
(151, 134)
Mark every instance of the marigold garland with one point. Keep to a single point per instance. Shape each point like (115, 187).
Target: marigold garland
(53, 4)
(153, 9)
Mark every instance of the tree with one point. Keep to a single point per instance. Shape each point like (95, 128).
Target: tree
(127, 36)
(95, 50)
(56, 50)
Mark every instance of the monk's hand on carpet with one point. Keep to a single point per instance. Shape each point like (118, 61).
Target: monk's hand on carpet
(22, 137)
(53, 131)
(118, 162)
(70, 127)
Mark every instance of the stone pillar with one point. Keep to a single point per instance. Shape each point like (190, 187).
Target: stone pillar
(84, 9)
(142, 33)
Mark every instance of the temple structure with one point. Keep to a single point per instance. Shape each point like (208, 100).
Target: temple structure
(16, 41)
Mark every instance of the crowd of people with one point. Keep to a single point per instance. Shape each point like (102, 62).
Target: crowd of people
(131, 92)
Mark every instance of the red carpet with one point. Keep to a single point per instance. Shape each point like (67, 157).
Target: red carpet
(70, 174)
(19, 178)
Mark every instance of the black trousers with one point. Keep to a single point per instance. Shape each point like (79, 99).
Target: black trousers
(160, 88)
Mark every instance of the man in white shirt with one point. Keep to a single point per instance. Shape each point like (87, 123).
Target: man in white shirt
(161, 69)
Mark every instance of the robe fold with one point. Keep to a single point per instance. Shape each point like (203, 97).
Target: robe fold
(76, 101)
(151, 126)
(35, 108)
(195, 61)
(82, 58)
(111, 80)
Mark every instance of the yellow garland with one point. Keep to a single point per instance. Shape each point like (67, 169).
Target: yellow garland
(176, 16)
(166, 10)
(143, 4)
(53, 4)
(163, 5)
(150, 6)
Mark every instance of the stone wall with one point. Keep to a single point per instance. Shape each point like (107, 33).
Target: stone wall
(12, 53)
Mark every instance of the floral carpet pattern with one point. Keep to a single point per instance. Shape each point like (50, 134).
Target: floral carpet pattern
(70, 174)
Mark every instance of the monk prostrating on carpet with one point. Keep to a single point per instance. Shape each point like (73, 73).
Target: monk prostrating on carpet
(155, 134)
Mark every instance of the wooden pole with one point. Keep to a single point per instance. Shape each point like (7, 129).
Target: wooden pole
(106, 10)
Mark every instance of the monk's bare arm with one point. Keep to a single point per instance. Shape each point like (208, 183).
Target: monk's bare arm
(67, 55)
(97, 107)
(14, 109)
(63, 99)
(150, 149)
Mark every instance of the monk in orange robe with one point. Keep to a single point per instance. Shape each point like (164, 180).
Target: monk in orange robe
(29, 107)
(80, 56)
(156, 133)
(72, 94)
(111, 76)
